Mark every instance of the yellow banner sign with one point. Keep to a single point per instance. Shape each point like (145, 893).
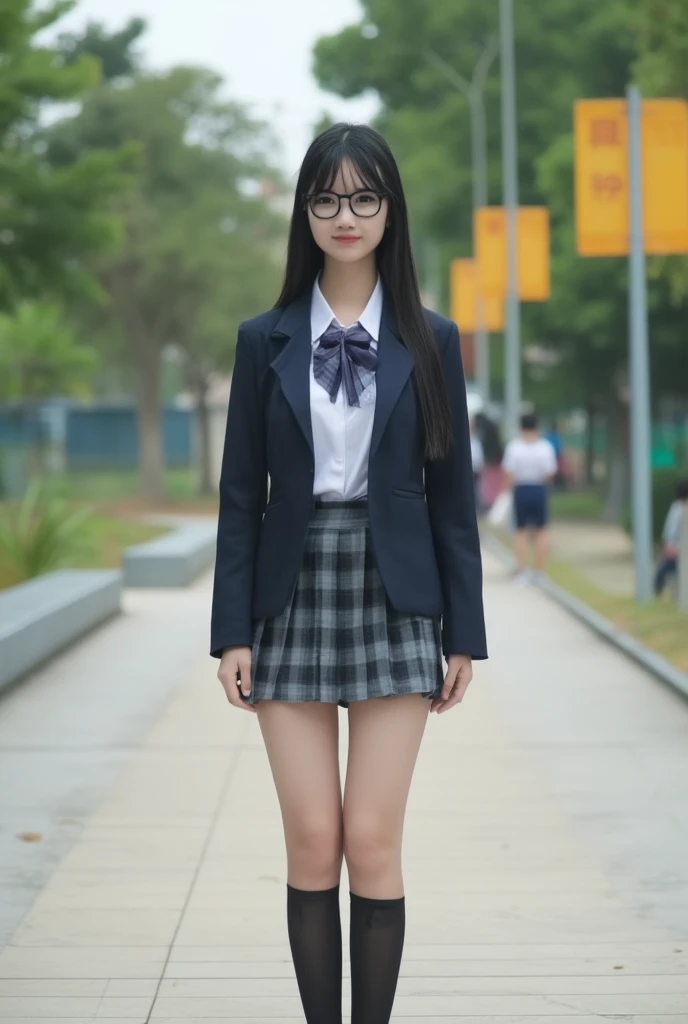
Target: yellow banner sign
(665, 176)
(602, 177)
(464, 292)
(533, 237)
(601, 134)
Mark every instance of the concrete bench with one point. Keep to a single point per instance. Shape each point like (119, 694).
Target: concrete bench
(173, 560)
(39, 617)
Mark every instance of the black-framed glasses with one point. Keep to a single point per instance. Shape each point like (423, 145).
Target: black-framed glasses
(364, 202)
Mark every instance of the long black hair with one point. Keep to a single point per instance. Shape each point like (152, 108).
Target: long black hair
(369, 153)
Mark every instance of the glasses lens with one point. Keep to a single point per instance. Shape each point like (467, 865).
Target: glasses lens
(366, 204)
(324, 205)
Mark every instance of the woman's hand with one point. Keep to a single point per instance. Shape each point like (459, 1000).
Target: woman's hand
(235, 671)
(459, 675)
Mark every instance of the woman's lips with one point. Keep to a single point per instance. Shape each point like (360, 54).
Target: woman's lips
(346, 239)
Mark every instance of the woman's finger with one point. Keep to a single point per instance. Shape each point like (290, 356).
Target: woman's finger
(449, 682)
(461, 681)
(231, 676)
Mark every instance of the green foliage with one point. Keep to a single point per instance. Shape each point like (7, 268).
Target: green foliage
(41, 533)
(114, 50)
(51, 219)
(39, 355)
(661, 28)
(565, 49)
(198, 237)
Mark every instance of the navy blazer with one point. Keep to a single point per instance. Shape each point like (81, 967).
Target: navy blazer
(423, 526)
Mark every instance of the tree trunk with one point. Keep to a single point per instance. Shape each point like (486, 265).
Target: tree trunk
(618, 462)
(205, 482)
(151, 452)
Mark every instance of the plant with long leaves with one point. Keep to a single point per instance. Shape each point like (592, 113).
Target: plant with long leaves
(42, 532)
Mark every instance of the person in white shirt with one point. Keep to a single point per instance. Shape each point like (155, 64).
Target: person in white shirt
(478, 462)
(529, 465)
(671, 537)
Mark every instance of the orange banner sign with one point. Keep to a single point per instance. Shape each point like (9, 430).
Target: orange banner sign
(602, 177)
(465, 311)
(533, 236)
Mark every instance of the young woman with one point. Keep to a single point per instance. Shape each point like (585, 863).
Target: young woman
(345, 584)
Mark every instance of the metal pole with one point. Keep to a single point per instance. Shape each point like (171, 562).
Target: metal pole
(641, 477)
(482, 353)
(512, 362)
(480, 199)
(682, 582)
(474, 91)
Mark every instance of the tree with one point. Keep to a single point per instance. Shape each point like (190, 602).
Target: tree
(114, 50)
(566, 49)
(39, 358)
(52, 219)
(39, 355)
(200, 158)
(661, 30)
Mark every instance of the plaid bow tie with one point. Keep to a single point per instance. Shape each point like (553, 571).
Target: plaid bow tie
(345, 354)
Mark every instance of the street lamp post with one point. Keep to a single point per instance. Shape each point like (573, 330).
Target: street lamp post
(475, 93)
(512, 367)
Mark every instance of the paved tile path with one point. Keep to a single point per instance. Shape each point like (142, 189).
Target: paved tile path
(546, 847)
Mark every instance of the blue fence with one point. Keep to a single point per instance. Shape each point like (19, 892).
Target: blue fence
(99, 437)
(107, 438)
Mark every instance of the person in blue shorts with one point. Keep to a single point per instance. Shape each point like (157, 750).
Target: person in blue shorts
(529, 466)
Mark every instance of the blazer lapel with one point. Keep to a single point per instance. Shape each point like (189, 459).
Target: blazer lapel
(293, 361)
(394, 368)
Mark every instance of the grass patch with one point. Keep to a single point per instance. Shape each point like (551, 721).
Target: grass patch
(659, 624)
(112, 485)
(106, 538)
(582, 505)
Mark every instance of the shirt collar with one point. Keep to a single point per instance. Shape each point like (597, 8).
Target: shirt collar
(322, 315)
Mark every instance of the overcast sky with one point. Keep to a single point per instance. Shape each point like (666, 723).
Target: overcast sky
(261, 47)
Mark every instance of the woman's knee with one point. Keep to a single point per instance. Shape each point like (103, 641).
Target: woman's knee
(314, 847)
(371, 848)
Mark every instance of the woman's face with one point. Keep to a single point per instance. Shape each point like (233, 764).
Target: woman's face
(347, 237)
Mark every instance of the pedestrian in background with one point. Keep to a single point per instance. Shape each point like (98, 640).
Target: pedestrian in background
(555, 439)
(360, 569)
(671, 537)
(478, 464)
(529, 466)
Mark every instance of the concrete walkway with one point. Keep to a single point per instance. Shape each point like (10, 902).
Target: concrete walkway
(546, 848)
(602, 552)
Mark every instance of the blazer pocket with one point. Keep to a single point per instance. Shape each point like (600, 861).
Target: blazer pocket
(401, 492)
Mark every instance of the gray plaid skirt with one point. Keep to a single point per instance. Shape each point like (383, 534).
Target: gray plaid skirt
(339, 639)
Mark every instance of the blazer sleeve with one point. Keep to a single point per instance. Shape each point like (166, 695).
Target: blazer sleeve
(243, 495)
(450, 496)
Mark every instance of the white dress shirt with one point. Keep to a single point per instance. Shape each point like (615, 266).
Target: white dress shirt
(342, 432)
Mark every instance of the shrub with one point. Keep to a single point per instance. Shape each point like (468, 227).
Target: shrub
(42, 533)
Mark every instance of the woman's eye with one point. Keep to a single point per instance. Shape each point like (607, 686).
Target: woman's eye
(323, 200)
(366, 197)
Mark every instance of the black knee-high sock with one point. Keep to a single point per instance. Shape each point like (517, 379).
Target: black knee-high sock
(376, 943)
(315, 937)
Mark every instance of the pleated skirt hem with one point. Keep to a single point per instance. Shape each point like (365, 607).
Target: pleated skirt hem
(339, 640)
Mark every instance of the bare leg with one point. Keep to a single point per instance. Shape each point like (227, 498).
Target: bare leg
(541, 548)
(302, 746)
(384, 739)
(521, 549)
